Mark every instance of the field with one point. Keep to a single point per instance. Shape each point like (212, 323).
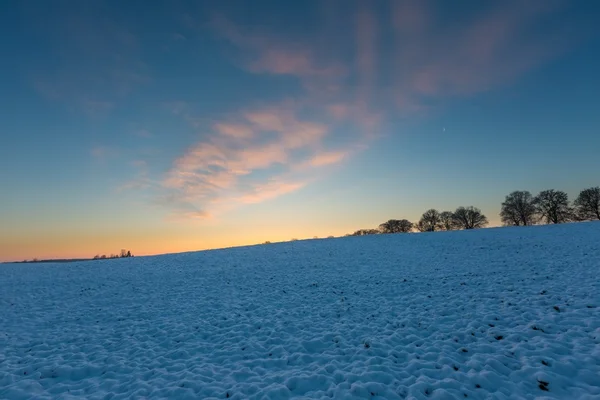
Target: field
(495, 313)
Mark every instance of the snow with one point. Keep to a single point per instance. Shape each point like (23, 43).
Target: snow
(488, 314)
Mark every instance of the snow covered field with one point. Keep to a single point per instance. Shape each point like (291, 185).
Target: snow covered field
(490, 314)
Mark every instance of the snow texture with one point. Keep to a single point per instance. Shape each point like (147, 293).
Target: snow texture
(505, 313)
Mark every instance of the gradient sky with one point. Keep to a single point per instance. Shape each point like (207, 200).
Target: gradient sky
(184, 125)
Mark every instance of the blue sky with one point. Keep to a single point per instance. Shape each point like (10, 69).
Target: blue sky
(191, 125)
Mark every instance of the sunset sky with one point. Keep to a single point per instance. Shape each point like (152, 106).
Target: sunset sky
(184, 125)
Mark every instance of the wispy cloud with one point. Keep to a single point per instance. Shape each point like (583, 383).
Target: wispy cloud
(420, 55)
(327, 158)
(253, 157)
(269, 190)
(267, 53)
(383, 62)
(488, 49)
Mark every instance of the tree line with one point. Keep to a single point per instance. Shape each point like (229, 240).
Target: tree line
(124, 254)
(520, 208)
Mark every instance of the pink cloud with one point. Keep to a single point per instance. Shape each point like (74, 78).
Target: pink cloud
(295, 133)
(339, 110)
(443, 60)
(376, 66)
(266, 53)
(299, 63)
(270, 190)
(327, 158)
(238, 131)
(218, 172)
(360, 113)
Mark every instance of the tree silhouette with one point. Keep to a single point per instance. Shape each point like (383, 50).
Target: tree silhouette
(553, 206)
(364, 232)
(518, 209)
(587, 204)
(469, 218)
(430, 221)
(396, 226)
(405, 226)
(447, 221)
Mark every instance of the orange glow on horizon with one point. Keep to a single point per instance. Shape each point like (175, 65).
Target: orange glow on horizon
(148, 244)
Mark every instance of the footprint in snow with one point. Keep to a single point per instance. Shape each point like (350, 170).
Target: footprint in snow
(543, 386)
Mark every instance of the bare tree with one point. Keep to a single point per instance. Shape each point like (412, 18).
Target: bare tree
(405, 226)
(553, 206)
(469, 218)
(396, 226)
(587, 204)
(447, 221)
(518, 209)
(430, 221)
(390, 226)
(421, 226)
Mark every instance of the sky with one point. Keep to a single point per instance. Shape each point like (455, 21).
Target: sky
(176, 126)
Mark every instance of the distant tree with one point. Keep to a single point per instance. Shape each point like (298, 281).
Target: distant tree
(103, 257)
(518, 209)
(405, 226)
(396, 226)
(447, 221)
(420, 226)
(364, 232)
(469, 218)
(97, 257)
(123, 253)
(587, 204)
(553, 206)
(430, 221)
(330, 237)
